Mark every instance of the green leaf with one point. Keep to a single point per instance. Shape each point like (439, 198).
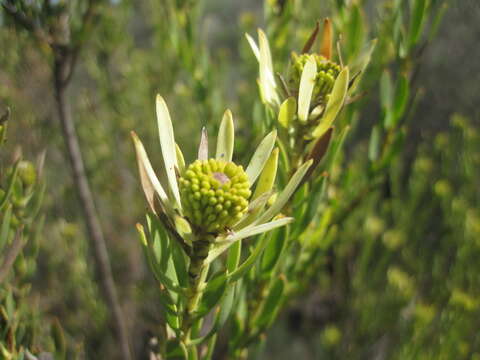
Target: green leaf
(287, 112)
(253, 46)
(305, 90)
(234, 254)
(180, 159)
(10, 186)
(267, 78)
(386, 91)
(285, 194)
(335, 103)
(360, 63)
(402, 92)
(251, 259)
(167, 144)
(212, 294)
(148, 179)
(274, 250)
(268, 175)
(154, 264)
(374, 146)
(5, 229)
(355, 30)
(271, 305)
(223, 243)
(260, 157)
(225, 139)
(416, 21)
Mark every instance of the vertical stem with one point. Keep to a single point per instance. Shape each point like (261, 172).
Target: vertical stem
(102, 261)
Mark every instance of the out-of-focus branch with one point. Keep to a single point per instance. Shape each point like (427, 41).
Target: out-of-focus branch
(11, 254)
(66, 52)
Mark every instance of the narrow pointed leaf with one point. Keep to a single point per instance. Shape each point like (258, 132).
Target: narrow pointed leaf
(254, 46)
(335, 103)
(10, 186)
(416, 21)
(212, 294)
(307, 82)
(224, 243)
(311, 40)
(271, 305)
(260, 157)
(285, 195)
(225, 138)
(267, 78)
(327, 39)
(257, 229)
(360, 63)
(148, 179)
(287, 112)
(180, 159)
(268, 175)
(234, 254)
(203, 147)
(251, 260)
(167, 143)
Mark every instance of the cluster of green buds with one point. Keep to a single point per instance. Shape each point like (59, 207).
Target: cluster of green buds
(214, 193)
(327, 73)
(317, 87)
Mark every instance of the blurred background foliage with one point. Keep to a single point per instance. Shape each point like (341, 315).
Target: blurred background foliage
(400, 276)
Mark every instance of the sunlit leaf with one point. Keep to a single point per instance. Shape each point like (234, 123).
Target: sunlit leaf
(335, 103)
(225, 138)
(287, 112)
(167, 143)
(307, 82)
(254, 46)
(203, 146)
(260, 157)
(285, 194)
(148, 179)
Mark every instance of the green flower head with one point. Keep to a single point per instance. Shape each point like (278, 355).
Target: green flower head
(214, 193)
(213, 197)
(324, 79)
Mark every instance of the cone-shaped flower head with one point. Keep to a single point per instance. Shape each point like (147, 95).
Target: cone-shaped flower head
(214, 193)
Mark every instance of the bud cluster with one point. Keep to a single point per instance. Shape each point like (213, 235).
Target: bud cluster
(327, 72)
(214, 194)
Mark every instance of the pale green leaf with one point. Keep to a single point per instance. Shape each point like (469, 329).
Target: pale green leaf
(225, 138)
(305, 91)
(203, 146)
(180, 159)
(285, 195)
(335, 103)
(148, 179)
(167, 143)
(223, 243)
(260, 157)
(287, 112)
(254, 46)
(267, 78)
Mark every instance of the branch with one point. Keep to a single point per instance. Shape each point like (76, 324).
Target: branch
(27, 24)
(11, 254)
